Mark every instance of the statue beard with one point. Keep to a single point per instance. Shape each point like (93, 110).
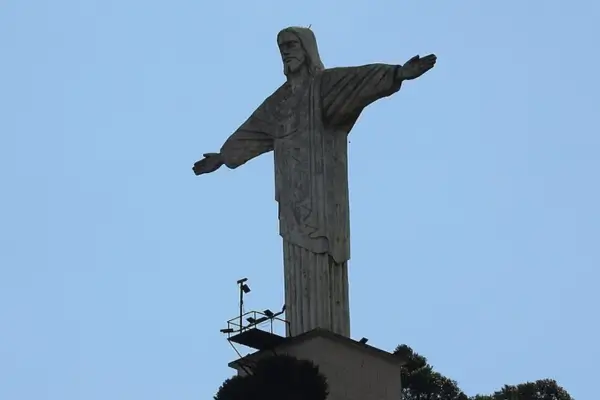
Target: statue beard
(289, 71)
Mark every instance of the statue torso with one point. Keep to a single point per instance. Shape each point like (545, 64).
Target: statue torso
(292, 148)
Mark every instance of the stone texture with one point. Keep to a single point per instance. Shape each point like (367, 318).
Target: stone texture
(319, 286)
(306, 123)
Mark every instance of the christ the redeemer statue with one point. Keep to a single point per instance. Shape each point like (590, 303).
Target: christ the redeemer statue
(306, 123)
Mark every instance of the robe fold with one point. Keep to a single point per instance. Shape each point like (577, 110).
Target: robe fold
(307, 128)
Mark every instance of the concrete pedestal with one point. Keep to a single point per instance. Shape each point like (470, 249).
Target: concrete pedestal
(354, 371)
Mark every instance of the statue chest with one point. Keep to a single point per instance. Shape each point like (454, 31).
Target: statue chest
(292, 141)
(291, 112)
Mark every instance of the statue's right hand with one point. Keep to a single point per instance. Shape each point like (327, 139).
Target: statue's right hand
(211, 162)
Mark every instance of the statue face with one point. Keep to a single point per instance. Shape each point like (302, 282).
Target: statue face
(292, 53)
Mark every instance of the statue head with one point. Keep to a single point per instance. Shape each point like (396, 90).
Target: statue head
(298, 48)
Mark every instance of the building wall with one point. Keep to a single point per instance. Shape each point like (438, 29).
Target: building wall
(352, 373)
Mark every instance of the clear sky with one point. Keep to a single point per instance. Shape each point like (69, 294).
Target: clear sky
(474, 190)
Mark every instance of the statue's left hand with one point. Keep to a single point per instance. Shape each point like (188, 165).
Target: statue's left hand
(417, 66)
(211, 162)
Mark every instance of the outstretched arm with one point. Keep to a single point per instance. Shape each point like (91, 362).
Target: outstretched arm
(250, 140)
(345, 92)
(245, 144)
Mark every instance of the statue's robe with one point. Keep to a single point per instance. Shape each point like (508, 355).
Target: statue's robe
(307, 128)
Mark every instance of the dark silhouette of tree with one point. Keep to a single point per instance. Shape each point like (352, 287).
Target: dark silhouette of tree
(235, 388)
(543, 389)
(421, 382)
(277, 378)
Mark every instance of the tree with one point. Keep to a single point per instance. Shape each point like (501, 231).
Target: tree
(275, 378)
(234, 388)
(421, 382)
(543, 389)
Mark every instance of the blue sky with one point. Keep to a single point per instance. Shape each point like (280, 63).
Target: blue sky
(474, 190)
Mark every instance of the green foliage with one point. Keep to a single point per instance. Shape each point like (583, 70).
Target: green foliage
(276, 378)
(543, 389)
(421, 382)
(234, 388)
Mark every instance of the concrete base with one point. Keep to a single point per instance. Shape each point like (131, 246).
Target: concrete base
(354, 371)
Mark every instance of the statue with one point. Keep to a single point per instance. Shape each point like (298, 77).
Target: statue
(306, 122)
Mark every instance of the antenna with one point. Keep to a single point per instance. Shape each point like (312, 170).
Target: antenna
(244, 288)
(250, 334)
